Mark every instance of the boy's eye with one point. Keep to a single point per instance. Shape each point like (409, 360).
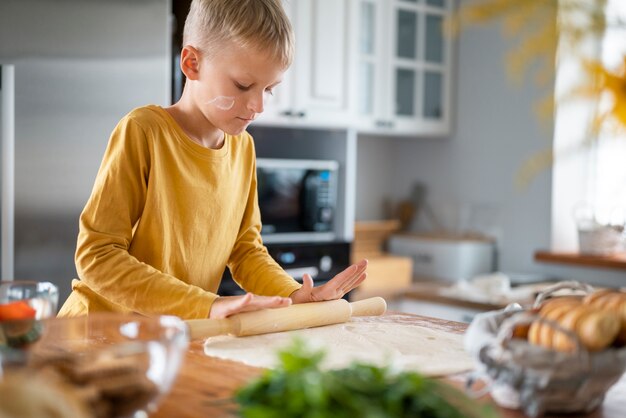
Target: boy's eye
(270, 91)
(242, 87)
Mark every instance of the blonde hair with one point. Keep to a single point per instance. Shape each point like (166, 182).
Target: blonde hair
(212, 24)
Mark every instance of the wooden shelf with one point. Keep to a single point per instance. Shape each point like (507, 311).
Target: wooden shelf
(614, 261)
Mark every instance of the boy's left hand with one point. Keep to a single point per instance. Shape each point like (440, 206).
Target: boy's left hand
(334, 288)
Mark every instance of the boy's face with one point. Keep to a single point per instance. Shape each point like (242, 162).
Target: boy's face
(232, 85)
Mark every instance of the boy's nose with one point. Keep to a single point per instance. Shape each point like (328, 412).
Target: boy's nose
(256, 103)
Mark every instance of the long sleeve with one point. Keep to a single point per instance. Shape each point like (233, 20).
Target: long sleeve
(115, 208)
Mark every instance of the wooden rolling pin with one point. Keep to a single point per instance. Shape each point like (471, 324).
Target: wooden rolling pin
(302, 315)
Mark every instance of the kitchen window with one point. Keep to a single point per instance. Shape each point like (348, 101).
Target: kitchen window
(595, 179)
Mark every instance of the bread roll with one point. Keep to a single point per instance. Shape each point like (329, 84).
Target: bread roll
(547, 331)
(570, 321)
(535, 329)
(598, 329)
(540, 333)
(613, 301)
(550, 309)
(559, 301)
(596, 321)
(592, 298)
(533, 333)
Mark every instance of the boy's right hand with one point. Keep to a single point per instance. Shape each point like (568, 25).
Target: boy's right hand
(226, 306)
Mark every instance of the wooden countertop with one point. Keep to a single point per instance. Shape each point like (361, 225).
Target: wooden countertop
(205, 384)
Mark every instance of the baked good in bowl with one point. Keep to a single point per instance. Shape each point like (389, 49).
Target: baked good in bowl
(115, 364)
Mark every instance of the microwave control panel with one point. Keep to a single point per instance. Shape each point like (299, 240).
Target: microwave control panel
(319, 200)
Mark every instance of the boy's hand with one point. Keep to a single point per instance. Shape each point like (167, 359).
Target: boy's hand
(334, 288)
(229, 305)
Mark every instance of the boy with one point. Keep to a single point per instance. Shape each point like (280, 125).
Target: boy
(175, 198)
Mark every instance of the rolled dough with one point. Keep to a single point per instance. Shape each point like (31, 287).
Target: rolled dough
(431, 352)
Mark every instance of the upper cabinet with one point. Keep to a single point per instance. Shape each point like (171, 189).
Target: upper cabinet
(315, 90)
(402, 67)
(379, 66)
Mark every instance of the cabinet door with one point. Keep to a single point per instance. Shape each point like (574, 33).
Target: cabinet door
(315, 88)
(402, 66)
(419, 67)
(370, 82)
(321, 66)
(435, 106)
(278, 107)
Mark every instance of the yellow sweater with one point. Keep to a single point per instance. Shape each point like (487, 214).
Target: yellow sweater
(164, 219)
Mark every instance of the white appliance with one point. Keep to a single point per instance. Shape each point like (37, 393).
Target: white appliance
(70, 70)
(445, 258)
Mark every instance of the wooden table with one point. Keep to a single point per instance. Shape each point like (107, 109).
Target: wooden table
(205, 384)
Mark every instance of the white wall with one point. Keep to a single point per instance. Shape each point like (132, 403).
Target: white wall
(375, 177)
(495, 132)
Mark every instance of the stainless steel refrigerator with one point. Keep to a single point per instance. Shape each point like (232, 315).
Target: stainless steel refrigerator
(71, 69)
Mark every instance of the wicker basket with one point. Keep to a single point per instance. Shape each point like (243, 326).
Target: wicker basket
(532, 378)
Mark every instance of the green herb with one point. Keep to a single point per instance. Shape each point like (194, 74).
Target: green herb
(298, 388)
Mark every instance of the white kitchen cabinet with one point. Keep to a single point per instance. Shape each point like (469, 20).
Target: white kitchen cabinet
(402, 67)
(315, 89)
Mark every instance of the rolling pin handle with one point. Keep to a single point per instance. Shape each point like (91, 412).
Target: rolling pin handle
(369, 307)
(203, 328)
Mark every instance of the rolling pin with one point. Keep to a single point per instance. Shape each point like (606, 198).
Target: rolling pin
(302, 315)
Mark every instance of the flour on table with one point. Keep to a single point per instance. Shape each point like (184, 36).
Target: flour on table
(402, 346)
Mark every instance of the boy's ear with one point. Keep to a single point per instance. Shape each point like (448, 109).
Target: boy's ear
(190, 62)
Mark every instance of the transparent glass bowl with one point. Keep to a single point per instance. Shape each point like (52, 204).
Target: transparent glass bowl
(23, 304)
(117, 365)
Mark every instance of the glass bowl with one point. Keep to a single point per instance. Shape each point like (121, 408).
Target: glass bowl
(117, 365)
(23, 304)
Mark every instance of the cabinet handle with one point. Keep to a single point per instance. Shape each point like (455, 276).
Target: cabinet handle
(299, 114)
(384, 124)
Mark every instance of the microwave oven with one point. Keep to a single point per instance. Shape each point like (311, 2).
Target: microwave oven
(297, 199)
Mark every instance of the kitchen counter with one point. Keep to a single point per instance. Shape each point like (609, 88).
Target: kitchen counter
(205, 384)
(435, 292)
(455, 302)
(456, 295)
